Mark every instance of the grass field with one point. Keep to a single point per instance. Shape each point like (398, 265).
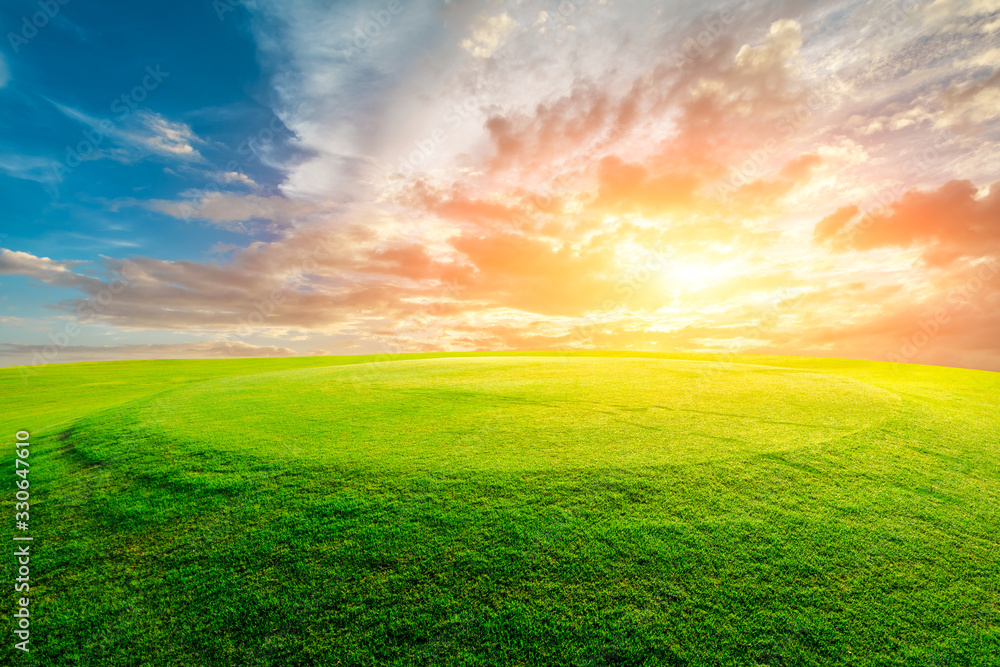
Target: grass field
(509, 509)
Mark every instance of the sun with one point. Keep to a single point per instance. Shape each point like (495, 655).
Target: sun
(693, 275)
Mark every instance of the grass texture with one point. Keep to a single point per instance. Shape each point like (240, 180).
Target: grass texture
(509, 509)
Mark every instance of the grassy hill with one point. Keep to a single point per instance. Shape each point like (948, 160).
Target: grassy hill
(516, 509)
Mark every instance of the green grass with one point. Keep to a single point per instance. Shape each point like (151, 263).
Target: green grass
(514, 509)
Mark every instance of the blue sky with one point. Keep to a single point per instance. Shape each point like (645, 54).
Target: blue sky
(306, 177)
(77, 69)
(132, 66)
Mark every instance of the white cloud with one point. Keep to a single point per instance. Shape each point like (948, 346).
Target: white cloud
(990, 58)
(489, 35)
(42, 269)
(163, 137)
(237, 177)
(780, 49)
(977, 7)
(141, 131)
(976, 102)
(30, 168)
(230, 211)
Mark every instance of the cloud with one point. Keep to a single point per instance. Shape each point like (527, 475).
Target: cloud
(513, 271)
(949, 223)
(976, 102)
(13, 354)
(489, 35)
(953, 324)
(457, 205)
(232, 211)
(4, 72)
(761, 196)
(30, 168)
(963, 8)
(585, 184)
(828, 228)
(626, 187)
(719, 106)
(237, 177)
(777, 57)
(42, 269)
(989, 58)
(141, 132)
(313, 280)
(476, 264)
(163, 137)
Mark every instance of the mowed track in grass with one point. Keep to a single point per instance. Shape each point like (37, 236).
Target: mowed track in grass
(513, 509)
(520, 413)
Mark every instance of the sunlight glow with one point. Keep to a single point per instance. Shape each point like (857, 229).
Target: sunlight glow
(694, 275)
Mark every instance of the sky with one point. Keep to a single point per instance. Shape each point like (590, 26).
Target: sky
(216, 178)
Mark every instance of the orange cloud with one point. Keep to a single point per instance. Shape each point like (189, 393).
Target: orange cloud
(629, 187)
(831, 225)
(949, 223)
